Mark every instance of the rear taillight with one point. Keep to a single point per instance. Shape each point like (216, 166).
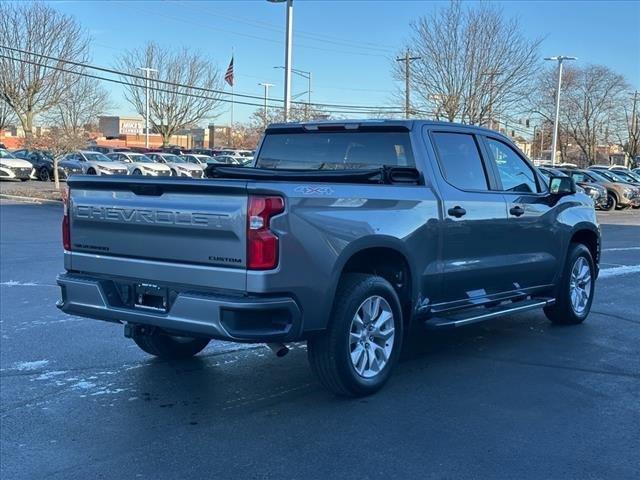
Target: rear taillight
(262, 243)
(66, 228)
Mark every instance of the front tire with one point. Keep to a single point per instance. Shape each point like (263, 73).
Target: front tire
(43, 175)
(160, 344)
(577, 285)
(91, 171)
(174, 173)
(356, 354)
(136, 172)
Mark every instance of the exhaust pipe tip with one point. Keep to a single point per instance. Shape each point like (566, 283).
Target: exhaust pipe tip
(279, 349)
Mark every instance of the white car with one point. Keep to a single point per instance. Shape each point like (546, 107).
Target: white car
(12, 168)
(139, 164)
(95, 163)
(197, 159)
(178, 166)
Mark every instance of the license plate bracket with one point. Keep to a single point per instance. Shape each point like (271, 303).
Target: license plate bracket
(152, 297)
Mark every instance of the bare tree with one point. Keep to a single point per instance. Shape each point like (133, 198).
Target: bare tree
(7, 116)
(592, 98)
(173, 105)
(628, 131)
(26, 84)
(85, 100)
(76, 112)
(473, 63)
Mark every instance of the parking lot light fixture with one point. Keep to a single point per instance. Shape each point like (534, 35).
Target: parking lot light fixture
(554, 143)
(146, 71)
(287, 56)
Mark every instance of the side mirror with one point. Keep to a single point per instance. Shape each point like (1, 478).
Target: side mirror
(562, 186)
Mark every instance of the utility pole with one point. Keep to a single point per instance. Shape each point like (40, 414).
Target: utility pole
(266, 98)
(634, 125)
(407, 59)
(554, 144)
(146, 71)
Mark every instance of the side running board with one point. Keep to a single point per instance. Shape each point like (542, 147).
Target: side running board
(480, 314)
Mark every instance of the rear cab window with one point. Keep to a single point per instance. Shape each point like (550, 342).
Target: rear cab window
(335, 150)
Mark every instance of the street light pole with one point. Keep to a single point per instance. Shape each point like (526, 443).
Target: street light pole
(146, 71)
(266, 98)
(554, 143)
(287, 56)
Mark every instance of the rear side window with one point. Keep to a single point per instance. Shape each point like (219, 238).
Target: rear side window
(515, 174)
(460, 161)
(335, 150)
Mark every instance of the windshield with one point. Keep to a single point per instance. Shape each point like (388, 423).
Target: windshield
(627, 176)
(613, 177)
(6, 154)
(335, 150)
(96, 157)
(598, 177)
(173, 159)
(138, 157)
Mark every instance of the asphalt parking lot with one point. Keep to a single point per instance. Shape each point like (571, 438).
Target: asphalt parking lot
(512, 398)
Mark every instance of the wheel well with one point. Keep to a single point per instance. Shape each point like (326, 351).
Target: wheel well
(613, 194)
(390, 265)
(589, 239)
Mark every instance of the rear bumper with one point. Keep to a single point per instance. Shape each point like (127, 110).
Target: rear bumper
(192, 313)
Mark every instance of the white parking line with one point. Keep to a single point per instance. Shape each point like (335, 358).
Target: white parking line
(621, 249)
(622, 270)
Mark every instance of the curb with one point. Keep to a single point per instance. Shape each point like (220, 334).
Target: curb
(31, 199)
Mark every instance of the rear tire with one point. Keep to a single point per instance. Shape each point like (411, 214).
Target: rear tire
(356, 354)
(576, 289)
(612, 203)
(160, 344)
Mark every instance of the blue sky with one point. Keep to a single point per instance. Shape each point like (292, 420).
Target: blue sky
(348, 45)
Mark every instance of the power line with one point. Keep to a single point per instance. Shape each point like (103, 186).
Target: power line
(174, 84)
(193, 95)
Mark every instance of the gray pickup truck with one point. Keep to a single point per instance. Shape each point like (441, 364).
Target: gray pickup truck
(343, 235)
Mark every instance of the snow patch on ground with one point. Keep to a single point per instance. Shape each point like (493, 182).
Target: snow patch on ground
(622, 270)
(29, 366)
(15, 283)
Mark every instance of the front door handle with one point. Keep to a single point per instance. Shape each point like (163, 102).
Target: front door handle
(457, 211)
(517, 211)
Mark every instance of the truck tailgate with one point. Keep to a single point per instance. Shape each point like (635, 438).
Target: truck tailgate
(177, 230)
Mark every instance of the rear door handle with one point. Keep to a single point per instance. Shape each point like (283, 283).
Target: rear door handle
(457, 211)
(517, 211)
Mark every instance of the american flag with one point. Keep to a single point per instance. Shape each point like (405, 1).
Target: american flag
(228, 77)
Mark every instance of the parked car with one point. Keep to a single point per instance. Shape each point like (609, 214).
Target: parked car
(179, 167)
(229, 160)
(597, 192)
(13, 168)
(176, 150)
(105, 150)
(140, 164)
(372, 227)
(42, 162)
(619, 195)
(196, 159)
(96, 163)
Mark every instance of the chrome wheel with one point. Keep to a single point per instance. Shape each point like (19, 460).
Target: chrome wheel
(580, 285)
(371, 336)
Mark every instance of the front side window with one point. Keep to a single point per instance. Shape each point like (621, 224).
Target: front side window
(515, 174)
(460, 160)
